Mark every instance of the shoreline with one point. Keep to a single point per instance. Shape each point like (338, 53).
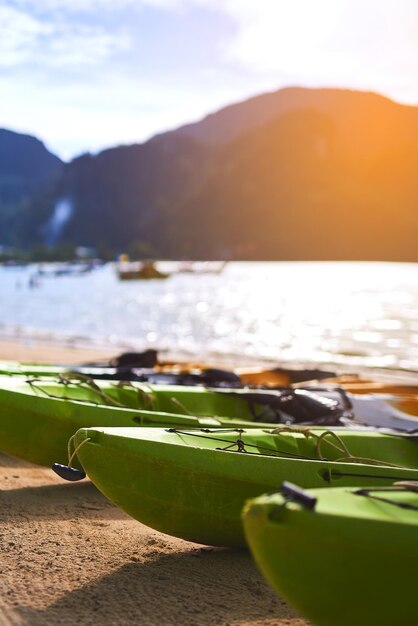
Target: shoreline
(52, 350)
(49, 351)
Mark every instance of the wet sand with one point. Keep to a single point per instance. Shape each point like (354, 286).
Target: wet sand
(68, 556)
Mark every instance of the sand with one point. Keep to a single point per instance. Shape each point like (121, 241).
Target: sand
(32, 351)
(68, 556)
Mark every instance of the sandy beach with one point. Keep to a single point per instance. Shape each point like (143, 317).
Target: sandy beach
(34, 351)
(68, 556)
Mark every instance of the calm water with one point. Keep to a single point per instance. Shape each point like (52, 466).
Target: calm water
(351, 313)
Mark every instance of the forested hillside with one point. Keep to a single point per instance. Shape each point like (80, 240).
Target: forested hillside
(297, 174)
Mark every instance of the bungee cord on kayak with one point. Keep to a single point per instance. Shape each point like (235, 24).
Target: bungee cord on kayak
(82, 384)
(147, 397)
(181, 406)
(255, 406)
(281, 405)
(239, 443)
(241, 447)
(406, 487)
(329, 474)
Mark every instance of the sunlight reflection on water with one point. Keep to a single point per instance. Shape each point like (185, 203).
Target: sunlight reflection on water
(353, 313)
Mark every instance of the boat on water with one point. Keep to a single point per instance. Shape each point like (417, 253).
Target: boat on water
(65, 268)
(341, 555)
(139, 270)
(201, 267)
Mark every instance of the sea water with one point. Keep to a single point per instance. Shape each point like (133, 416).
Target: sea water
(351, 313)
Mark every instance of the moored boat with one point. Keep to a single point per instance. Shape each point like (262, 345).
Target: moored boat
(140, 270)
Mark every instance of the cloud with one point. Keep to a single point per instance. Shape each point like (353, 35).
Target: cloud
(19, 33)
(80, 117)
(366, 44)
(49, 42)
(96, 6)
(85, 74)
(84, 46)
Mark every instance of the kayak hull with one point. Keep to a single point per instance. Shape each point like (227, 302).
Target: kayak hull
(350, 565)
(193, 485)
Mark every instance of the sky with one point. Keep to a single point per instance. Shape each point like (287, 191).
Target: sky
(83, 75)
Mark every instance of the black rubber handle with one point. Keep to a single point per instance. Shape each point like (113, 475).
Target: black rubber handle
(297, 494)
(68, 473)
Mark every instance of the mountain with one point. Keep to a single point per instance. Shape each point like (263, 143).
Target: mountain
(300, 187)
(295, 174)
(121, 197)
(356, 108)
(25, 166)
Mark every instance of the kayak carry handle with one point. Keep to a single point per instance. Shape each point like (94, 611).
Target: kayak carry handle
(293, 493)
(68, 473)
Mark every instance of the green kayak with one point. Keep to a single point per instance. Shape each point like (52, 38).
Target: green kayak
(310, 405)
(194, 400)
(14, 368)
(147, 366)
(160, 374)
(340, 556)
(37, 418)
(193, 483)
